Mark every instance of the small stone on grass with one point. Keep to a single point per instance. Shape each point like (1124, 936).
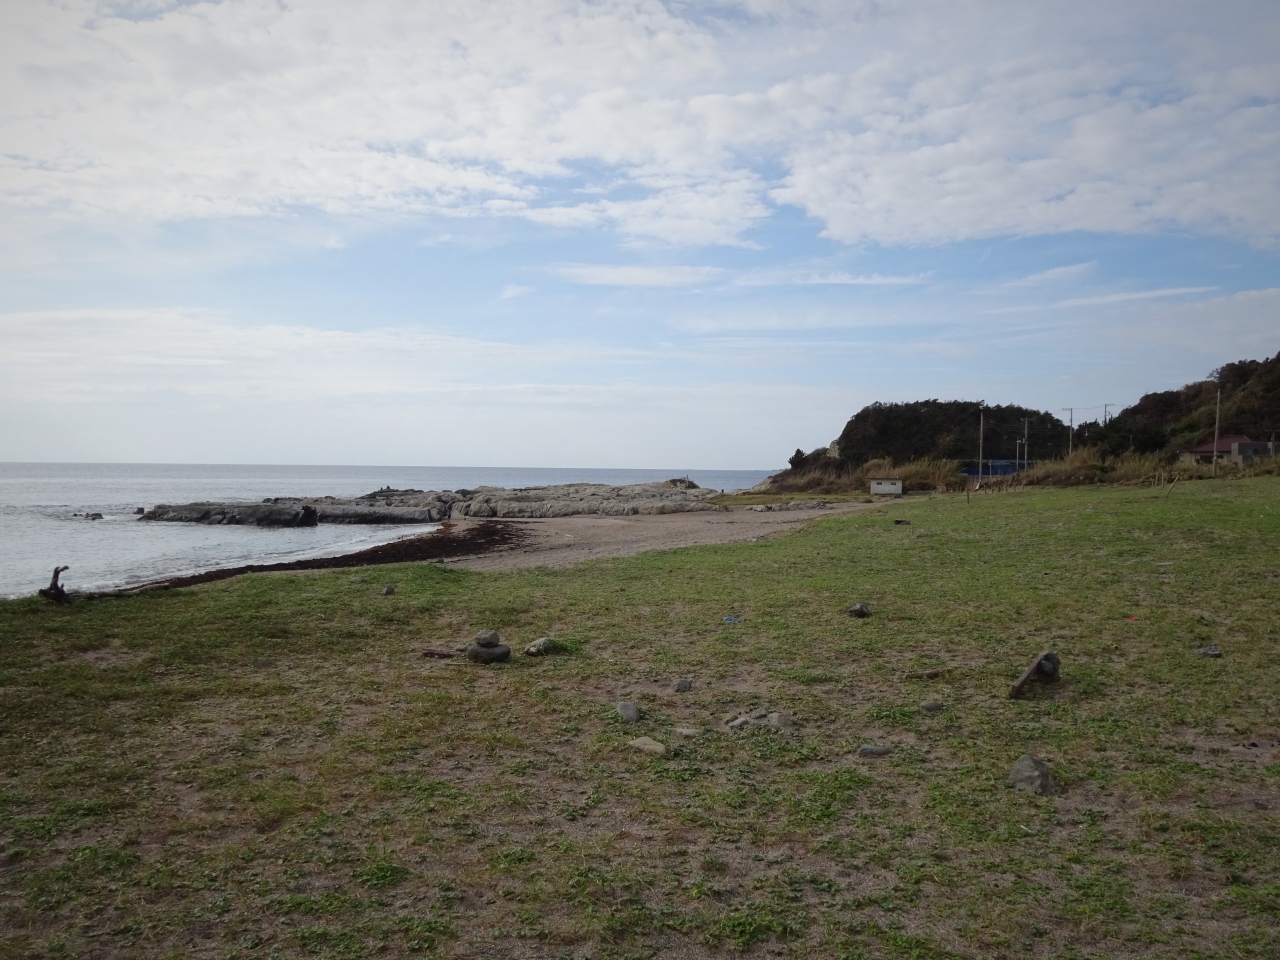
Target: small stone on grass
(1032, 775)
(487, 638)
(683, 685)
(628, 712)
(648, 745)
(858, 610)
(931, 706)
(873, 750)
(540, 647)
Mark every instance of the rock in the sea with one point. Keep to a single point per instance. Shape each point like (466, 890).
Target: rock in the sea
(93, 516)
(873, 750)
(648, 745)
(628, 712)
(1032, 775)
(1210, 651)
(498, 653)
(683, 685)
(388, 590)
(931, 706)
(540, 647)
(859, 610)
(140, 511)
(487, 638)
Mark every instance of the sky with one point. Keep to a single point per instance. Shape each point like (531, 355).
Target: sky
(616, 234)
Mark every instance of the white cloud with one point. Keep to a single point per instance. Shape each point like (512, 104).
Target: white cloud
(1054, 275)
(836, 277)
(1109, 298)
(891, 124)
(513, 290)
(608, 275)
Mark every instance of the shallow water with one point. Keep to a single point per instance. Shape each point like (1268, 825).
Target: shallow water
(38, 529)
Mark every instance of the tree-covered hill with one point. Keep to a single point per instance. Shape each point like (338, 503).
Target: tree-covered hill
(1180, 419)
(948, 430)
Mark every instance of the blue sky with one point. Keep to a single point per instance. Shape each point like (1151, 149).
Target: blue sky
(615, 234)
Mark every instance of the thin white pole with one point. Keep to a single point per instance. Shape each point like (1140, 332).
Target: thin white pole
(1217, 422)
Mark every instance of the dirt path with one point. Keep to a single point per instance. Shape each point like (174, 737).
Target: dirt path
(565, 541)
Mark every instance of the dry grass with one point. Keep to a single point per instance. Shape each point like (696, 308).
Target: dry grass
(267, 767)
(831, 477)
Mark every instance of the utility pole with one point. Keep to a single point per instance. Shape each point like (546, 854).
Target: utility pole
(1071, 430)
(1026, 430)
(1104, 412)
(981, 417)
(1217, 422)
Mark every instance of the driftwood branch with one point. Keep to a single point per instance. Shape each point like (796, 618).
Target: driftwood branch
(54, 592)
(1046, 668)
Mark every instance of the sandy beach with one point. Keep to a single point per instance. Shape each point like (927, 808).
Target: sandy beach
(565, 541)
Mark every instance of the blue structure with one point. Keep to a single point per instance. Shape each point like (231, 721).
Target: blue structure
(993, 468)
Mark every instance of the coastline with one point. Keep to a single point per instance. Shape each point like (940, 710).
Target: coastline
(439, 545)
(516, 544)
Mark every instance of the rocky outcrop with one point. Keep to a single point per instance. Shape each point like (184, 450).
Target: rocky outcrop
(432, 506)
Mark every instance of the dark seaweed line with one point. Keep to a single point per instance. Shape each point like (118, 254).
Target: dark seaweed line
(485, 537)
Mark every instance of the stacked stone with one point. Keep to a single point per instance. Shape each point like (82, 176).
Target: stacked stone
(488, 648)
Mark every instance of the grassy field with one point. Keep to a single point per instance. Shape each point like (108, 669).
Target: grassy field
(267, 766)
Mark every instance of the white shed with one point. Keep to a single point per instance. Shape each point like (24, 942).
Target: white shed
(887, 486)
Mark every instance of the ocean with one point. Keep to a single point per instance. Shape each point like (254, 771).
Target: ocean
(39, 528)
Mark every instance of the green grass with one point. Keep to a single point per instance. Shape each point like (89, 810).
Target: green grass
(267, 767)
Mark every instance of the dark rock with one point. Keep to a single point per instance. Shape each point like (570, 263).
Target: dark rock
(487, 638)
(388, 590)
(859, 610)
(1210, 651)
(1046, 668)
(140, 511)
(683, 685)
(903, 522)
(1049, 667)
(932, 706)
(628, 712)
(496, 654)
(93, 516)
(873, 750)
(1032, 775)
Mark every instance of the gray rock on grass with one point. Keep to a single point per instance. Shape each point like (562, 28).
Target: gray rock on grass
(540, 647)
(499, 653)
(778, 720)
(859, 611)
(648, 745)
(683, 685)
(388, 590)
(628, 712)
(873, 750)
(1032, 775)
(1211, 651)
(487, 638)
(931, 706)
